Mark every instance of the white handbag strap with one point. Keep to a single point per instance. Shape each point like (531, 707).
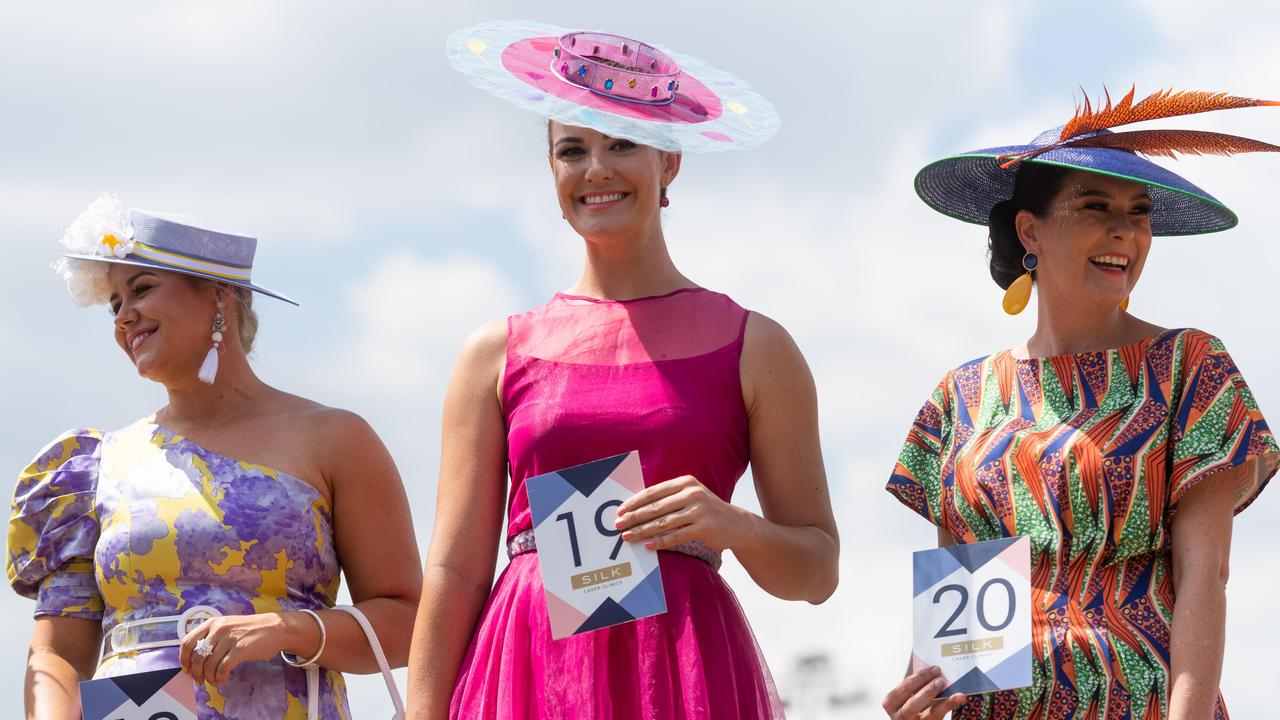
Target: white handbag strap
(313, 672)
(379, 656)
(313, 692)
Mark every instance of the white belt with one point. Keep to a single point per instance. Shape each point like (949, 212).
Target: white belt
(126, 637)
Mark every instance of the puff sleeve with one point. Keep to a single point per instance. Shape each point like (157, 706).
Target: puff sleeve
(1217, 425)
(53, 528)
(917, 477)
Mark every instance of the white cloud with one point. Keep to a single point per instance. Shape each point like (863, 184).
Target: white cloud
(334, 134)
(410, 315)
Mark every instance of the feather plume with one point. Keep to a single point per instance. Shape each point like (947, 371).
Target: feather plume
(1168, 143)
(1158, 105)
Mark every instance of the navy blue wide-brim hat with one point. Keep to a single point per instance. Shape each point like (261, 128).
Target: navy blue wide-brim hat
(968, 185)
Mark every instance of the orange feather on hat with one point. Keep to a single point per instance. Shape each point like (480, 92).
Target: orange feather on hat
(1160, 104)
(1168, 143)
(1156, 106)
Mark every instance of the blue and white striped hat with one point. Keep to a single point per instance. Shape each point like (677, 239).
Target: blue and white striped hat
(177, 243)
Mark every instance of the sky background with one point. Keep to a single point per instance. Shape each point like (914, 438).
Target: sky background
(403, 208)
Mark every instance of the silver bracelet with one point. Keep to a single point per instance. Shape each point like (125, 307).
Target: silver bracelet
(293, 660)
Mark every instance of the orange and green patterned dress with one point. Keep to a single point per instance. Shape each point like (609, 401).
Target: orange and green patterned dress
(1088, 455)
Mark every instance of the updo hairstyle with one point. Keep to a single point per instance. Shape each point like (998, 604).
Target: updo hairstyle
(1034, 187)
(248, 325)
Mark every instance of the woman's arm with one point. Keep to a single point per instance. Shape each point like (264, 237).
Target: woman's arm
(373, 534)
(793, 551)
(63, 652)
(464, 542)
(1201, 530)
(373, 537)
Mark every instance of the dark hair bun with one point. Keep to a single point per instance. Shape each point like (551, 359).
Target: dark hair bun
(1034, 188)
(1004, 249)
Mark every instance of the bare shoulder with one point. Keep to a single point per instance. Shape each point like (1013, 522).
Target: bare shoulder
(319, 425)
(771, 362)
(338, 425)
(486, 344)
(481, 361)
(344, 447)
(766, 343)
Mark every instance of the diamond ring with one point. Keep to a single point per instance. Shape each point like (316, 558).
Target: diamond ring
(204, 648)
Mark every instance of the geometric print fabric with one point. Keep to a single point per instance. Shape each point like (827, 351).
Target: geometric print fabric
(1088, 455)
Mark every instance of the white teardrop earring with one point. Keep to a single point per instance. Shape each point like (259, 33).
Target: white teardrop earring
(209, 368)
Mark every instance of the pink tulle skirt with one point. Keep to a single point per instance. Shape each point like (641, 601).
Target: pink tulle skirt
(698, 660)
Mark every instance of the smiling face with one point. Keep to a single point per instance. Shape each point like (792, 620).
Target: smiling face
(163, 321)
(1092, 241)
(608, 188)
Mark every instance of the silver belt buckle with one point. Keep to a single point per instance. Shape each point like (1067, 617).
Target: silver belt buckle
(194, 617)
(117, 638)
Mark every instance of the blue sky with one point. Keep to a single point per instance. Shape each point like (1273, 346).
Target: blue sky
(404, 207)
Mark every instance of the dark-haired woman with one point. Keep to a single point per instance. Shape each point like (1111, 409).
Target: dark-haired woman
(1122, 449)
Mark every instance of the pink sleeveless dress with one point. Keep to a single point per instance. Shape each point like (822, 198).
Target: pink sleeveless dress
(587, 379)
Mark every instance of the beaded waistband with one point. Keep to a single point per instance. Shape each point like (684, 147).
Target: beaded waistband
(523, 542)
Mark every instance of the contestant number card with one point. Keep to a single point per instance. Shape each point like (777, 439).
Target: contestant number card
(973, 614)
(591, 578)
(156, 695)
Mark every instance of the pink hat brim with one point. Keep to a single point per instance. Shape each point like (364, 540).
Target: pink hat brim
(713, 110)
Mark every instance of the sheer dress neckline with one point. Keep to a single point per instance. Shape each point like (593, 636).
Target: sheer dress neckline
(624, 301)
(582, 331)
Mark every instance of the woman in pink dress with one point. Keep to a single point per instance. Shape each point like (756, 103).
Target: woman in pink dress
(634, 356)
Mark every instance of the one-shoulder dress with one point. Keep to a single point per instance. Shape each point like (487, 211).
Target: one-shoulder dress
(587, 379)
(1090, 456)
(143, 523)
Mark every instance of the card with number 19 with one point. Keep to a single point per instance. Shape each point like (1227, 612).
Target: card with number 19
(591, 578)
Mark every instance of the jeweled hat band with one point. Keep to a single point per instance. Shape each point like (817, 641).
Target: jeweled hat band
(617, 67)
(181, 243)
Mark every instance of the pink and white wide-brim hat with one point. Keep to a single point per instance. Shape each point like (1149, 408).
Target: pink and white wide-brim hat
(618, 86)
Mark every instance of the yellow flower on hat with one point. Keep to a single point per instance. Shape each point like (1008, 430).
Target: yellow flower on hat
(114, 245)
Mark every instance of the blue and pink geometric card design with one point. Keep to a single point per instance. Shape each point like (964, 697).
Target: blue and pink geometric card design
(591, 578)
(159, 694)
(972, 613)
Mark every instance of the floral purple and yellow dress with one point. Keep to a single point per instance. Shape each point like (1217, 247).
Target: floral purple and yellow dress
(143, 523)
(587, 379)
